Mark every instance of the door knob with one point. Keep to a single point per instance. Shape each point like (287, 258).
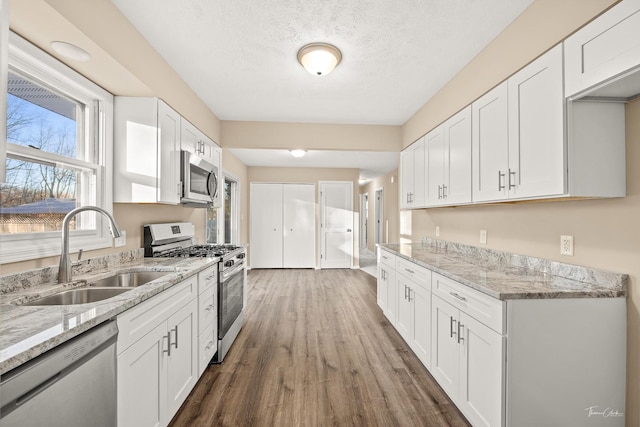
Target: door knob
(348, 230)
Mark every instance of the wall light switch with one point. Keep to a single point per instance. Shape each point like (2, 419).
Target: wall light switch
(483, 237)
(437, 231)
(120, 241)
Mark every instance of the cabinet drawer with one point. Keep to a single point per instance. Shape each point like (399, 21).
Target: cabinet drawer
(207, 347)
(481, 307)
(208, 278)
(206, 308)
(413, 271)
(387, 258)
(136, 322)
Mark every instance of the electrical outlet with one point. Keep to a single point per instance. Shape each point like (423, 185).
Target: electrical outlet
(437, 231)
(483, 237)
(566, 245)
(120, 241)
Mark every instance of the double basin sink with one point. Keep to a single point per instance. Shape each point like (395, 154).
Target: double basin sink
(101, 289)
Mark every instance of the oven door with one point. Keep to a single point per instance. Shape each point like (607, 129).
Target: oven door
(230, 297)
(199, 180)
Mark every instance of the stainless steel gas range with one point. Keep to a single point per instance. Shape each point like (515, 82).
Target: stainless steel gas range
(172, 240)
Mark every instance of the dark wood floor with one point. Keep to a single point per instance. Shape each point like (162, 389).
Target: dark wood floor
(316, 350)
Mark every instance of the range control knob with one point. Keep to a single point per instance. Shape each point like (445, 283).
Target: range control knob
(241, 256)
(229, 263)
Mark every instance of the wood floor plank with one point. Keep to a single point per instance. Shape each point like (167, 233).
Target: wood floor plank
(316, 350)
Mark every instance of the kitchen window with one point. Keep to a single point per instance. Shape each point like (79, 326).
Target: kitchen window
(59, 131)
(222, 223)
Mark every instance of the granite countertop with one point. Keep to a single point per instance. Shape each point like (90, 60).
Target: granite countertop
(28, 331)
(505, 276)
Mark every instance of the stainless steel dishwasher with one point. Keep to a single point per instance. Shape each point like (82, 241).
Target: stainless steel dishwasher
(71, 385)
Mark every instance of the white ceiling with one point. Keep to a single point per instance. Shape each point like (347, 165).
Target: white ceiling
(240, 56)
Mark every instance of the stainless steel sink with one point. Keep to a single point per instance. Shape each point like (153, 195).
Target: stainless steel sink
(129, 279)
(80, 296)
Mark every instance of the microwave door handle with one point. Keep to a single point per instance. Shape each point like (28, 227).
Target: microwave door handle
(214, 178)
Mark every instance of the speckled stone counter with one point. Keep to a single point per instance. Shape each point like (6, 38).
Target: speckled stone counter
(505, 275)
(28, 331)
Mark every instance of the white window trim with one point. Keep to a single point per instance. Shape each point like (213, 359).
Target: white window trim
(235, 213)
(30, 59)
(4, 44)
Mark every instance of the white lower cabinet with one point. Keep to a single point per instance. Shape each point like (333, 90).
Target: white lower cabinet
(514, 362)
(157, 356)
(467, 362)
(207, 316)
(413, 290)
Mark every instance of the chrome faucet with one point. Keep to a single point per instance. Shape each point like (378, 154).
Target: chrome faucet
(64, 269)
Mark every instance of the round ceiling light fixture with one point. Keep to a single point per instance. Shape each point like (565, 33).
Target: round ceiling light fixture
(319, 59)
(71, 51)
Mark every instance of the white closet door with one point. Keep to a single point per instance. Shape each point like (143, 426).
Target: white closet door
(266, 226)
(336, 210)
(299, 226)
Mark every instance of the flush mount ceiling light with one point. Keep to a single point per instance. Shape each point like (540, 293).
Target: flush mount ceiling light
(71, 51)
(297, 153)
(319, 59)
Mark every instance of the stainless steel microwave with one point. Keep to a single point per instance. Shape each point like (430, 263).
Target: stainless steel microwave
(199, 181)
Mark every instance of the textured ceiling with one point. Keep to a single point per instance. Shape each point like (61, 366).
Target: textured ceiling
(240, 56)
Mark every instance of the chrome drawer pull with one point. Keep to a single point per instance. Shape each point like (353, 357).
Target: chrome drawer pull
(176, 331)
(410, 271)
(460, 337)
(168, 350)
(461, 298)
(451, 333)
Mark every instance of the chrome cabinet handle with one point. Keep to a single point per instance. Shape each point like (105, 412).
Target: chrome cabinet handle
(209, 345)
(444, 191)
(451, 323)
(409, 271)
(168, 350)
(411, 290)
(179, 188)
(460, 297)
(500, 181)
(405, 292)
(460, 337)
(209, 307)
(175, 344)
(439, 192)
(514, 179)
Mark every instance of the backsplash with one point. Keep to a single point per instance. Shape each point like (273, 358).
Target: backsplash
(49, 275)
(477, 255)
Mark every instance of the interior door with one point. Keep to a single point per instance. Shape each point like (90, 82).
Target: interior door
(266, 225)
(299, 214)
(336, 224)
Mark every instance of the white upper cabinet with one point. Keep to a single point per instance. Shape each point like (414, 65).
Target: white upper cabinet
(413, 181)
(196, 142)
(489, 145)
(448, 154)
(536, 120)
(603, 58)
(518, 135)
(146, 151)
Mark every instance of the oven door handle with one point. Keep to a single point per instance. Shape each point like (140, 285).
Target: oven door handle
(227, 274)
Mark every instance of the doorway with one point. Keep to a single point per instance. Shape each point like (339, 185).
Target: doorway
(364, 219)
(379, 216)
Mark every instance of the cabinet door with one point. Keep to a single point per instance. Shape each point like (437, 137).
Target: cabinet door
(445, 352)
(142, 384)
(419, 175)
(406, 180)
(188, 136)
(421, 323)
(482, 375)
(457, 158)
(435, 158)
(403, 316)
(392, 297)
(604, 48)
(266, 225)
(169, 188)
(489, 138)
(217, 162)
(382, 286)
(299, 231)
(182, 362)
(536, 135)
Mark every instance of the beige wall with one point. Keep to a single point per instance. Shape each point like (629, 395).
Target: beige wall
(272, 135)
(312, 176)
(606, 232)
(390, 206)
